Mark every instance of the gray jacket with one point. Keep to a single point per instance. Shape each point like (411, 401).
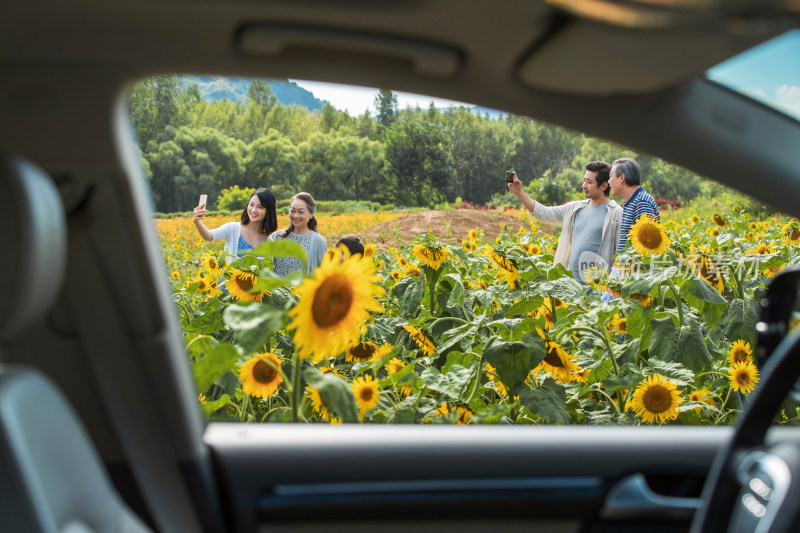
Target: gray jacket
(565, 215)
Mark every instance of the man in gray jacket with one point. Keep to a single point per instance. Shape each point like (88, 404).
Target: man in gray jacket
(590, 228)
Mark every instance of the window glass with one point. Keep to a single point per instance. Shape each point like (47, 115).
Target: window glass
(769, 73)
(457, 299)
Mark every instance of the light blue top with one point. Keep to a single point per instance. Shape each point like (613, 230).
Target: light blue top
(313, 243)
(587, 232)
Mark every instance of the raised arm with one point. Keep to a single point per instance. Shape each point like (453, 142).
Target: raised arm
(516, 187)
(197, 218)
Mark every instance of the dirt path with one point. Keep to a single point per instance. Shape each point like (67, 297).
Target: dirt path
(448, 226)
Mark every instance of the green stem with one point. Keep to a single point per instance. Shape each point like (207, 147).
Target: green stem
(553, 309)
(295, 392)
(610, 400)
(432, 287)
(243, 411)
(722, 413)
(677, 302)
(477, 382)
(607, 341)
(447, 318)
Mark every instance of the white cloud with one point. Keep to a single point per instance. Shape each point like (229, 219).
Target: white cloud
(788, 99)
(356, 100)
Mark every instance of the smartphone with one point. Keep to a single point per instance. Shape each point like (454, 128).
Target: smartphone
(203, 199)
(509, 176)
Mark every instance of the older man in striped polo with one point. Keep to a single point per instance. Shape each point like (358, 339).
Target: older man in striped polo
(625, 181)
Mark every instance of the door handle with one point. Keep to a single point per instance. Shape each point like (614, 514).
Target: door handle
(632, 497)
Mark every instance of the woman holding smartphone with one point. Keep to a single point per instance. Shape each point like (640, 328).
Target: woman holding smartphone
(259, 219)
(302, 230)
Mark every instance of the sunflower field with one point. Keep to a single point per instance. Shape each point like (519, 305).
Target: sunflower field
(488, 332)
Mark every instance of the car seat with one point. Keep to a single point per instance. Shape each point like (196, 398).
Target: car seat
(51, 476)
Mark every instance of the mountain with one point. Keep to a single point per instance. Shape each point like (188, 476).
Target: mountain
(288, 93)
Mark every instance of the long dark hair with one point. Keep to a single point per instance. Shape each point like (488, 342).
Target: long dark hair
(270, 217)
(312, 208)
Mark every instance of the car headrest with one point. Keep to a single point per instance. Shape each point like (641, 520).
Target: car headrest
(34, 244)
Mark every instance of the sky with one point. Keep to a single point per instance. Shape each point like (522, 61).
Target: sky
(356, 100)
(769, 73)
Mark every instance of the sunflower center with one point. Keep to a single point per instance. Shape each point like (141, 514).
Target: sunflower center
(332, 301)
(244, 282)
(657, 399)
(743, 378)
(363, 350)
(366, 394)
(212, 263)
(553, 359)
(650, 237)
(740, 356)
(264, 372)
(795, 235)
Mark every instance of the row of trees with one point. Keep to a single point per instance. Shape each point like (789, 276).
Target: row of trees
(410, 157)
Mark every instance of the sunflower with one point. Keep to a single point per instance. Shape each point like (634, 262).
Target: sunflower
(702, 265)
(648, 237)
(430, 254)
(557, 363)
(212, 266)
(369, 250)
(712, 231)
(367, 394)
(704, 396)
(534, 249)
(240, 285)
(175, 274)
(203, 284)
(260, 375)
(743, 377)
(396, 275)
(656, 399)
(201, 398)
(546, 310)
(332, 306)
(394, 366)
(739, 352)
(361, 351)
(618, 324)
(719, 220)
(320, 407)
(792, 232)
(464, 414)
(473, 235)
(498, 259)
(421, 339)
(468, 245)
(761, 248)
(498, 385)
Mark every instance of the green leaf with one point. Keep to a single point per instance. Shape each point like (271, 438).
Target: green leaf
(683, 345)
(525, 306)
(456, 298)
(218, 359)
(701, 296)
(514, 360)
(335, 392)
(452, 383)
(215, 405)
(252, 323)
(409, 294)
(208, 322)
(467, 360)
(268, 281)
(672, 370)
(280, 248)
(738, 322)
(562, 288)
(494, 414)
(548, 401)
(457, 335)
(626, 382)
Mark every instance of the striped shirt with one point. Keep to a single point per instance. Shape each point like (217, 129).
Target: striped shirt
(641, 203)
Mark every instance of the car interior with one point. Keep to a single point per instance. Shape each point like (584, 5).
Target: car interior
(100, 429)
